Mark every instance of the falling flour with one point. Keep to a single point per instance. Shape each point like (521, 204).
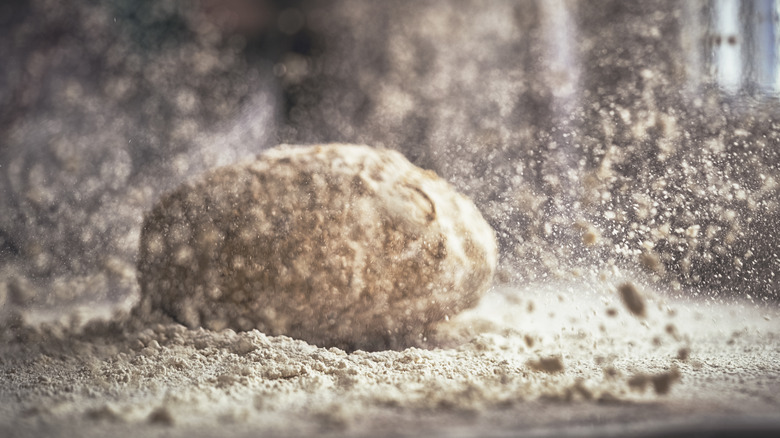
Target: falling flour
(632, 299)
(338, 245)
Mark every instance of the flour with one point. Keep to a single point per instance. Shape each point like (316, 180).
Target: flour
(597, 142)
(632, 299)
(504, 361)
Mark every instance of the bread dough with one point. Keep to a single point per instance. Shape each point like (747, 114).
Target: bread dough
(338, 245)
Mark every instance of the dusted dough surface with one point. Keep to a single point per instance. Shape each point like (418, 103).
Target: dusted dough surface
(338, 245)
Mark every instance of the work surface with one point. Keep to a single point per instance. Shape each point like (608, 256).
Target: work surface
(532, 361)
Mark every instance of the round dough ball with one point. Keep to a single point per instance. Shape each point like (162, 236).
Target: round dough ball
(338, 245)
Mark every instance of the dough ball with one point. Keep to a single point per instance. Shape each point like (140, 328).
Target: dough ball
(338, 245)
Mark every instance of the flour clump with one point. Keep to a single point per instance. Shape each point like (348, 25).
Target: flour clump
(338, 245)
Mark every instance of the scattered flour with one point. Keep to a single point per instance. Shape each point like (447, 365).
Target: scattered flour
(632, 299)
(657, 166)
(502, 365)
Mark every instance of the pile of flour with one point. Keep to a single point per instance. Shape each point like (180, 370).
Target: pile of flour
(566, 348)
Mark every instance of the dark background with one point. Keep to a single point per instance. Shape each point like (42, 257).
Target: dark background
(592, 135)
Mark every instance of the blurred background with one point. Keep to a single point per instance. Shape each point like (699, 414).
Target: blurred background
(596, 137)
